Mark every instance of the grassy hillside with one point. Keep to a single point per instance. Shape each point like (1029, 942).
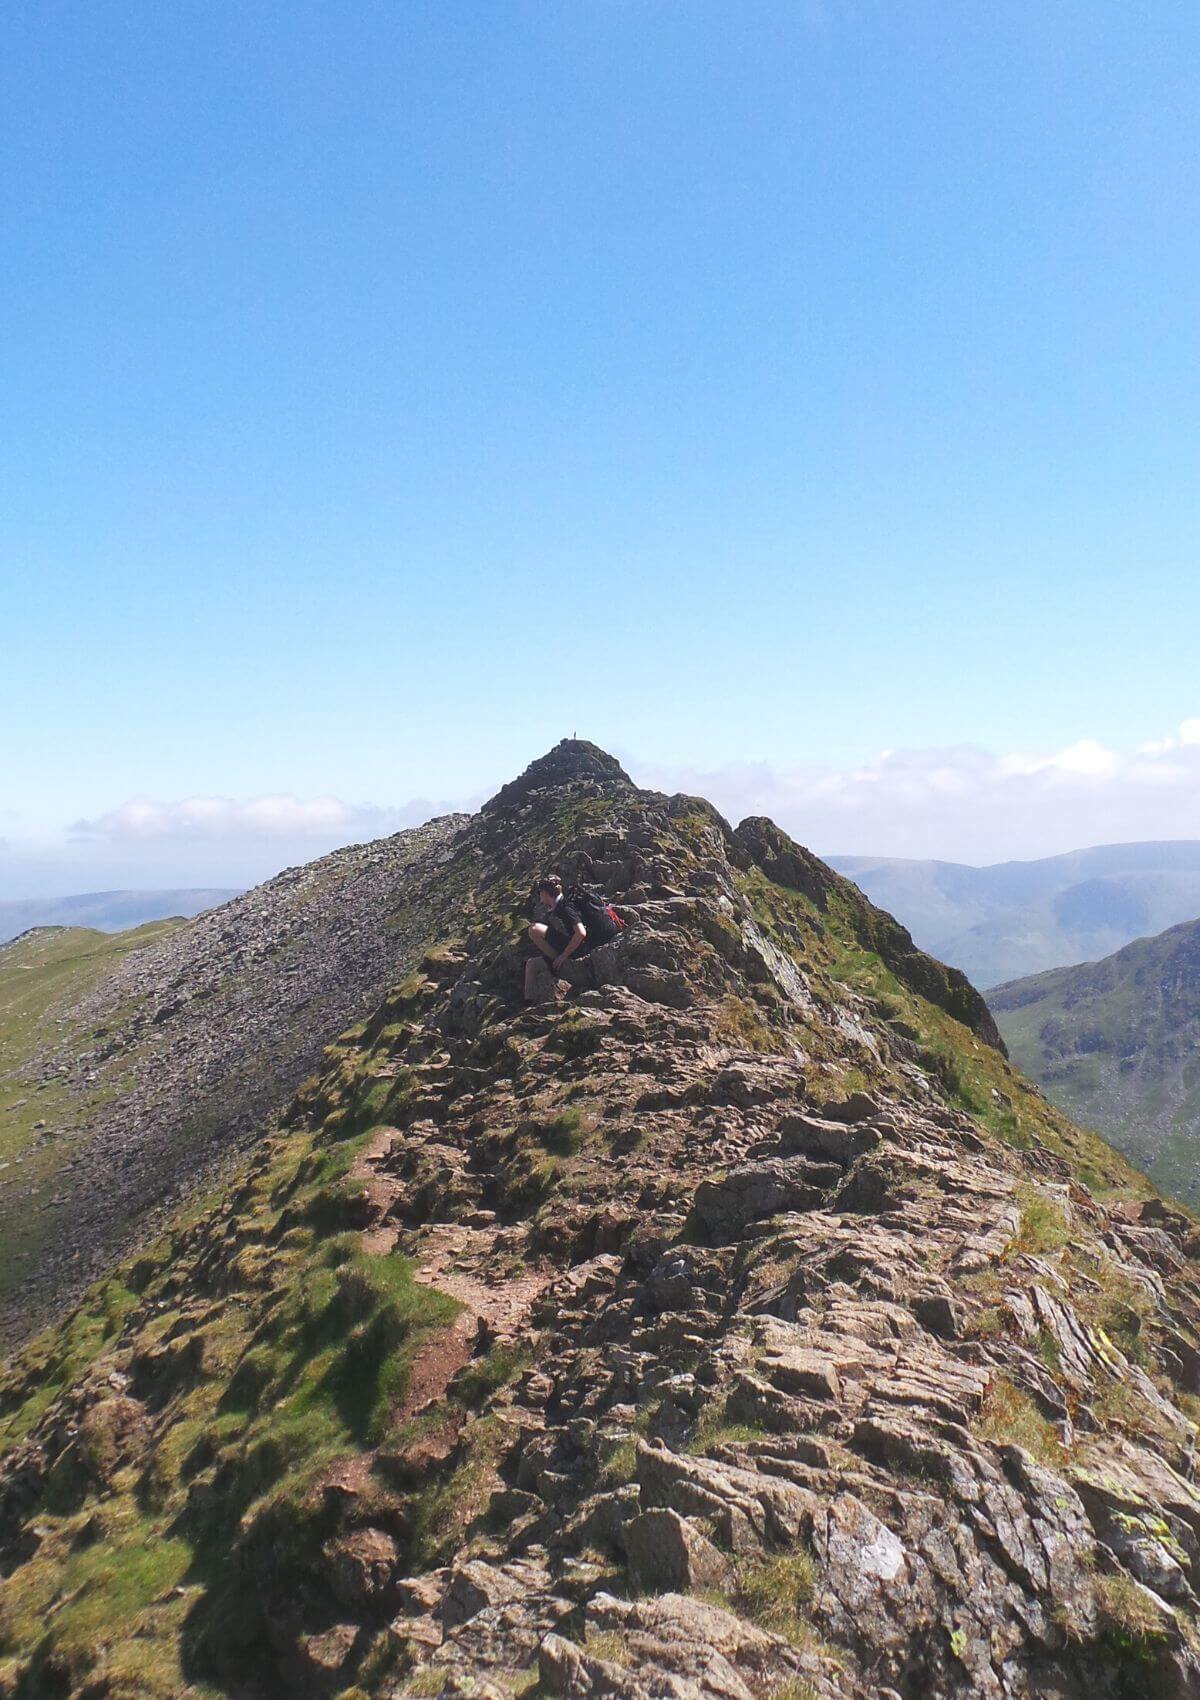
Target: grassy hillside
(43, 977)
(167, 1049)
(1116, 1044)
(273, 1349)
(107, 911)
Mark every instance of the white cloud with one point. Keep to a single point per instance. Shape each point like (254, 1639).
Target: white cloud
(219, 817)
(969, 804)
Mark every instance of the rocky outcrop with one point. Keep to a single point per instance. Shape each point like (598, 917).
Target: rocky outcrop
(790, 865)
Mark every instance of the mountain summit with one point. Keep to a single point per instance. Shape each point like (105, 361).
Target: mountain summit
(570, 762)
(734, 1323)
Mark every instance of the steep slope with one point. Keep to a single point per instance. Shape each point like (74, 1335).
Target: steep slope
(1116, 1044)
(106, 911)
(733, 1323)
(153, 1065)
(1018, 918)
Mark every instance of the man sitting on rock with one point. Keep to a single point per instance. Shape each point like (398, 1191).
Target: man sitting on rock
(577, 922)
(559, 937)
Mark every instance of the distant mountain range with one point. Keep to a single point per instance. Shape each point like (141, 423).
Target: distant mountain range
(1012, 919)
(107, 911)
(1116, 1044)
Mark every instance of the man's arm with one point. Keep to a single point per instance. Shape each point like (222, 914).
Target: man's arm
(573, 944)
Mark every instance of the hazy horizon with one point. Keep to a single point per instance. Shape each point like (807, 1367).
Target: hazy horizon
(951, 806)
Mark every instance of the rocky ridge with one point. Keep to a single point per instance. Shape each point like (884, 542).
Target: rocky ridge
(171, 1064)
(732, 1323)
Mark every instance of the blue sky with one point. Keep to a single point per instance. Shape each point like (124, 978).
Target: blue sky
(388, 390)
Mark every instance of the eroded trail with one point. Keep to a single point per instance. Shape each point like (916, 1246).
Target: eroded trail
(486, 1268)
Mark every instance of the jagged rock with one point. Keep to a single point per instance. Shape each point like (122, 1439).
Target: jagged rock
(601, 1521)
(362, 1565)
(862, 1558)
(566, 1671)
(714, 1652)
(725, 1208)
(665, 1551)
(748, 1510)
(802, 1370)
(421, 1594)
(328, 1653)
(814, 1136)
(472, 1587)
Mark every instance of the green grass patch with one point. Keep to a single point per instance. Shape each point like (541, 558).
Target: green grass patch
(715, 1429)
(1010, 1418)
(564, 1134)
(620, 1466)
(446, 1510)
(1132, 1621)
(1044, 1224)
(251, 1399)
(775, 1592)
(485, 1376)
(740, 1023)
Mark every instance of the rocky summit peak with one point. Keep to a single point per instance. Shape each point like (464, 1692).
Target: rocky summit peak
(571, 760)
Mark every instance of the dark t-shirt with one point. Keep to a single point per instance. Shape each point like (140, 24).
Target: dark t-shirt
(563, 920)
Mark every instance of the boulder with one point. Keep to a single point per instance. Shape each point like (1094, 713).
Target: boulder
(665, 1551)
(724, 1208)
(361, 1567)
(820, 1136)
(474, 1586)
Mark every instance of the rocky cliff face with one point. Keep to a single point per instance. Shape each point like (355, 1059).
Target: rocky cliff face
(732, 1323)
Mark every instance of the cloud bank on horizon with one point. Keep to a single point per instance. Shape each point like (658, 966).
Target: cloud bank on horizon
(221, 817)
(964, 804)
(956, 803)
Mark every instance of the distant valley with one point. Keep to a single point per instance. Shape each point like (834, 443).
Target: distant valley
(105, 911)
(1116, 1044)
(1012, 919)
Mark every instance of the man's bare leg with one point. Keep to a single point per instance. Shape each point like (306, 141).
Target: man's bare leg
(539, 934)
